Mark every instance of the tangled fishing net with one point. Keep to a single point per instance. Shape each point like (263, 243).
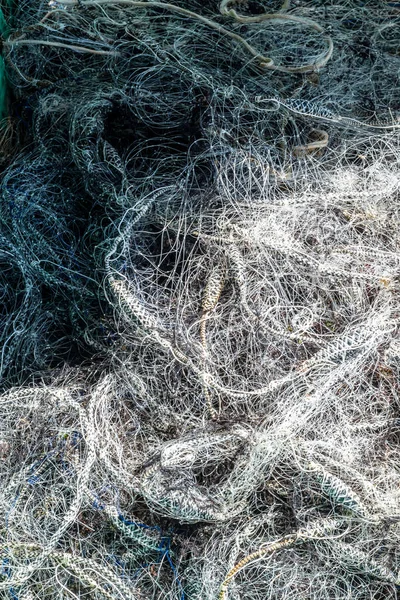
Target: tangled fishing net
(199, 317)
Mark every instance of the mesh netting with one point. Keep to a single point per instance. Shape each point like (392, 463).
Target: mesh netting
(199, 275)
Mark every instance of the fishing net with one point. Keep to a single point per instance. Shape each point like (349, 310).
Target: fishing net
(199, 251)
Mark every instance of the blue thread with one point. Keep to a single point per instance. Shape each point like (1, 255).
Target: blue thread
(117, 562)
(133, 523)
(75, 438)
(7, 572)
(97, 505)
(33, 479)
(164, 549)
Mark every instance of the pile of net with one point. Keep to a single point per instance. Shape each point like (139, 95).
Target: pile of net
(200, 301)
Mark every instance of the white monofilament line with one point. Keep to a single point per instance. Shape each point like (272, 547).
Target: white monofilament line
(265, 285)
